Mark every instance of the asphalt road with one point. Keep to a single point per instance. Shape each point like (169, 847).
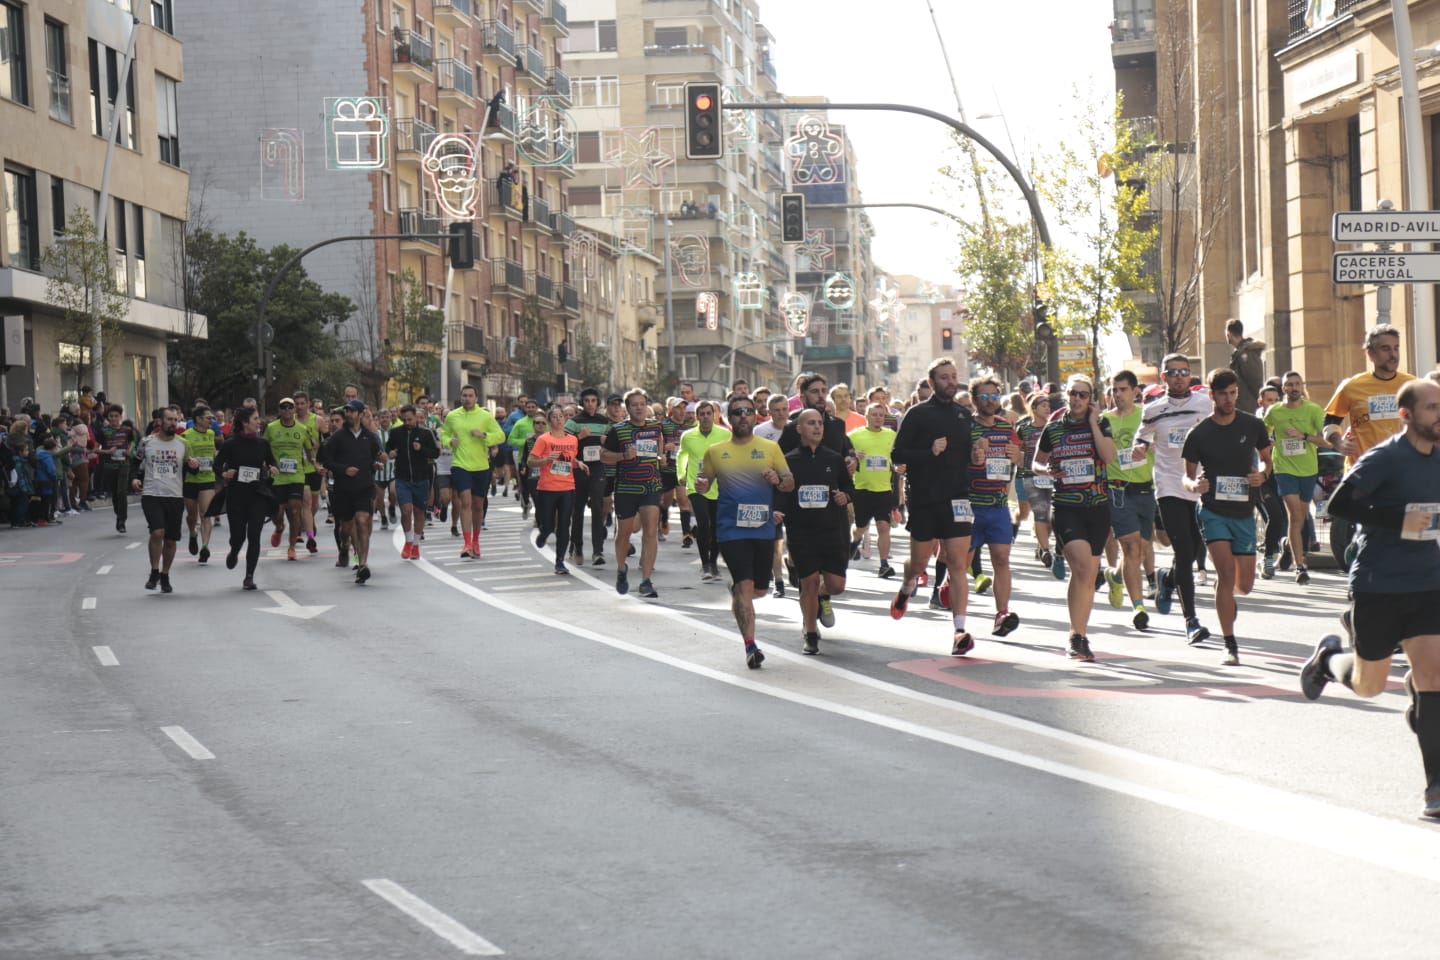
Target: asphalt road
(463, 758)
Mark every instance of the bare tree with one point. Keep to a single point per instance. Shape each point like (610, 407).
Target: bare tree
(81, 284)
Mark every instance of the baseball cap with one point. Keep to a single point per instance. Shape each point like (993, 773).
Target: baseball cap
(614, 398)
(355, 405)
(287, 401)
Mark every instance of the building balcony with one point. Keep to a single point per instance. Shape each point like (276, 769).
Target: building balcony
(503, 120)
(544, 287)
(497, 39)
(835, 352)
(507, 276)
(562, 225)
(454, 79)
(412, 54)
(668, 9)
(557, 16)
(1300, 29)
(510, 199)
(570, 299)
(412, 136)
(415, 221)
(537, 5)
(539, 215)
(457, 13)
(473, 341)
(559, 84)
(531, 60)
(697, 58)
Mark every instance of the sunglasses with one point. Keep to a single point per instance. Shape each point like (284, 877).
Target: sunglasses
(742, 411)
(987, 396)
(1180, 372)
(1082, 394)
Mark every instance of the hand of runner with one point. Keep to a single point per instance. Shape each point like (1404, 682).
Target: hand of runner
(1294, 432)
(851, 463)
(702, 484)
(193, 463)
(228, 474)
(980, 451)
(351, 471)
(1197, 484)
(840, 498)
(136, 485)
(770, 476)
(938, 447)
(1015, 453)
(1255, 478)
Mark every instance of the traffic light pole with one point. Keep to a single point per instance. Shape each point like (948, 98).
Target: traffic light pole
(270, 288)
(1042, 229)
(918, 206)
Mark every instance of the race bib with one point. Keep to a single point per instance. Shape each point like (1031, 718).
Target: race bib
(1234, 489)
(289, 465)
(1422, 522)
(205, 463)
(1292, 446)
(813, 496)
(117, 454)
(163, 468)
(591, 453)
(647, 449)
(560, 468)
(960, 511)
(1078, 471)
(876, 462)
(751, 515)
(1125, 459)
(247, 474)
(1384, 407)
(1043, 481)
(997, 468)
(1176, 436)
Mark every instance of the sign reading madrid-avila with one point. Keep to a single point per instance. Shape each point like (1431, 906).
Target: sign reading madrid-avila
(1386, 267)
(1385, 226)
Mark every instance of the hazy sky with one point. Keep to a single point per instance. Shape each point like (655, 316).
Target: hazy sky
(1019, 57)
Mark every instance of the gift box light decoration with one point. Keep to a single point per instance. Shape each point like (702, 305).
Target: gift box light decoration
(357, 133)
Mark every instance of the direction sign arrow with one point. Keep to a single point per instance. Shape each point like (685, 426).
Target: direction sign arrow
(1383, 267)
(1385, 226)
(289, 608)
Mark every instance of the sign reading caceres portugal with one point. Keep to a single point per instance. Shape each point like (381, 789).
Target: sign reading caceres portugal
(1385, 267)
(1385, 226)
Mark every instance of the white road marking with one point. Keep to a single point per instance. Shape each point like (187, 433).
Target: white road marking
(189, 744)
(516, 587)
(289, 608)
(499, 578)
(103, 570)
(1390, 844)
(132, 546)
(106, 656)
(88, 603)
(441, 924)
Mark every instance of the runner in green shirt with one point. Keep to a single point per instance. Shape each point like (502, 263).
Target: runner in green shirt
(1132, 499)
(290, 441)
(874, 491)
(1297, 428)
(199, 480)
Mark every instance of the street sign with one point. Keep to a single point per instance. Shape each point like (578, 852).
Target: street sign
(1385, 226)
(1386, 267)
(1074, 353)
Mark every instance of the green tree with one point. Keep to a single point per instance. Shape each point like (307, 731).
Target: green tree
(533, 358)
(80, 282)
(593, 362)
(1096, 185)
(224, 278)
(412, 339)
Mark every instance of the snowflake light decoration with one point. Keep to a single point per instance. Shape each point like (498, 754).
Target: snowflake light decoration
(887, 303)
(640, 157)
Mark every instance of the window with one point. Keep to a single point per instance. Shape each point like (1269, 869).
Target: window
(689, 364)
(22, 219)
(587, 146)
(671, 37)
(143, 368)
(122, 235)
(1353, 158)
(139, 253)
(591, 36)
(596, 91)
(605, 29)
(669, 94)
(57, 205)
(57, 68)
(162, 17)
(379, 16)
(13, 79)
(386, 186)
(105, 90)
(167, 119)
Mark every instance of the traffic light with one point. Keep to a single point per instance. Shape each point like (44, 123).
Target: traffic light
(947, 338)
(702, 121)
(792, 217)
(462, 245)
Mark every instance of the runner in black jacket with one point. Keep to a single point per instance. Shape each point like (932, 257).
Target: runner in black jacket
(817, 524)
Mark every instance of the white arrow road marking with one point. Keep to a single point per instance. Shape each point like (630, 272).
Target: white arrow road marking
(106, 656)
(441, 924)
(289, 608)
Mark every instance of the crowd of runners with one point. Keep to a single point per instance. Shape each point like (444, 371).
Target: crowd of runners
(785, 487)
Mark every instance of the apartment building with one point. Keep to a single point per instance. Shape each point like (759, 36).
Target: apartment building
(923, 311)
(61, 69)
(402, 117)
(712, 225)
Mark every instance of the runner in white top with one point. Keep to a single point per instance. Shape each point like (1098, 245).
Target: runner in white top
(779, 411)
(162, 494)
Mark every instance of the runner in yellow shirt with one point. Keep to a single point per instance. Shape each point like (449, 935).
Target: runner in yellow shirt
(470, 431)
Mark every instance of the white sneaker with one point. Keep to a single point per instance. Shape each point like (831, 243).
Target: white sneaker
(1202, 579)
(865, 548)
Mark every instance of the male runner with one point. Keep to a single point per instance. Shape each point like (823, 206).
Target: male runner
(693, 444)
(353, 454)
(289, 440)
(634, 447)
(1164, 423)
(1077, 447)
(1368, 400)
(1000, 453)
(1220, 465)
(199, 480)
(671, 426)
(117, 445)
(1297, 429)
(1395, 578)
(470, 431)
(411, 447)
(748, 471)
(817, 524)
(1132, 497)
(162, 494)
(521, 430)
(935, 445)
(874, 493)
(589, 427)
(310, 502)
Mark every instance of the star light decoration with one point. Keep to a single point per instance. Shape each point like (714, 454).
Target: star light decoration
(887, 303)
(817, 249)
(930, 293)
(795, 307)
(640, 157)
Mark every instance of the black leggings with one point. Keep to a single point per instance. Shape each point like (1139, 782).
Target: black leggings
(589, 492)
(1183, 529)
(704, 509)
(552, 509)
(247, 512)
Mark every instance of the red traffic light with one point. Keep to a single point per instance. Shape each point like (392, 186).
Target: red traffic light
(703, 102)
